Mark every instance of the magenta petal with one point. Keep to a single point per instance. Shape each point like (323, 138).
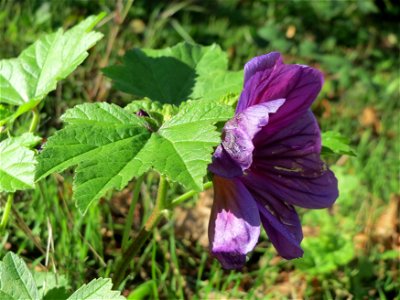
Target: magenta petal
(298, 84)
(234, 223)
(287, 166)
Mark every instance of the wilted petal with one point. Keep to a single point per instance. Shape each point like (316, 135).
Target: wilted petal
(287, 166)
(298, 84)
(236, 153)
(234, 223)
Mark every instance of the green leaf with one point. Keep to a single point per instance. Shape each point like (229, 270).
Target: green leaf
(182, 147)
(97, 289)
(17, 163)
(16, 280)
(102, 139)
(175, 74)
(111, 146)
(26, 80)
(51, 285)
(334, 142)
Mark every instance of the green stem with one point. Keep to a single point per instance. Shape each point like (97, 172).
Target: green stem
(35, 120)
(188, 195)
(7, 209)
(129, 218)
(135, 245)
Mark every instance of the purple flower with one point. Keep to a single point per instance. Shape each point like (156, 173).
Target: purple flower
(268, 161)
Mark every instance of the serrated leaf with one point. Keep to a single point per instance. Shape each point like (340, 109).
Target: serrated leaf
(102, 139)
(334, 142)
(16, 280)
(51, 285)
(182, 147)
(26, 80)
(17, 163)
(111, 146)
(175, 74)
(97, 289)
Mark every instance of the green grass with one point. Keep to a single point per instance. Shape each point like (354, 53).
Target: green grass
(354, 43)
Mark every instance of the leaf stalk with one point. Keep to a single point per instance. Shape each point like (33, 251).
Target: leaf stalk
(7, 210)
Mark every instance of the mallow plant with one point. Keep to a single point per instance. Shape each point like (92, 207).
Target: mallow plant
(264, 161)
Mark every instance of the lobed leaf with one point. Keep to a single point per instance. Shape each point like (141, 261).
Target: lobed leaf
(182, 147)
(102, 139)
(26, 80)
(111, 146)
(176, 74)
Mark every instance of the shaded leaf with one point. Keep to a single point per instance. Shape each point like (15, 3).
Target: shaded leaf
(175, 74)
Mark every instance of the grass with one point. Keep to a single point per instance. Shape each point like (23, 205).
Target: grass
(356, 46)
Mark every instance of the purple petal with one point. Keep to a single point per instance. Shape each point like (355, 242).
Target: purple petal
(287, 166)
(235, 155)
(282, 225)
(263, 63)
(298, 84)
(234, 223)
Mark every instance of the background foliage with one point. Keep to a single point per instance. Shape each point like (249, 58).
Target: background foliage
(350, 250)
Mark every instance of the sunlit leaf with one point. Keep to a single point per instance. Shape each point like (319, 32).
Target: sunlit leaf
(16, 280)
(17, 163)
(26, 80)
(334, 142)
(97, 289)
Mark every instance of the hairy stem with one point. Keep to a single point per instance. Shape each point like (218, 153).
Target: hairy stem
(6, 213)
(136, 244)
(189, 195)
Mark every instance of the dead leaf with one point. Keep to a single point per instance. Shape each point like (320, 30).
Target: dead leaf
(385, 229)
(291, 31)
(370, 118)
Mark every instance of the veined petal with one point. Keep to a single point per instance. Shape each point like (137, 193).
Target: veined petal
(287, 166)
(235, 155)
(263, 63)
(282, 225)
(298, 84)
(234, 223)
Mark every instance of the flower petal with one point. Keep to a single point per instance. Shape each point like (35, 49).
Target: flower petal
(282, 225)
(263, 63)
(234, 223)
(298, 84)
(236, 153)
(287, 166)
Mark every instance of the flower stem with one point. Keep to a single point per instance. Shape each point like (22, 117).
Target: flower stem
(129, 218)
(6, 214)
(189, 195)
(135, 245)
(35, 120)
